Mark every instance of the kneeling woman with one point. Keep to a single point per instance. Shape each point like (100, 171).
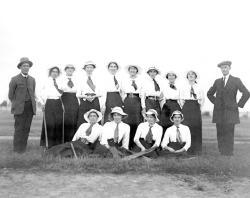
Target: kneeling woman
(148, 134)
(116, 133)
(90, 132)
(177, 138)
(53, 111)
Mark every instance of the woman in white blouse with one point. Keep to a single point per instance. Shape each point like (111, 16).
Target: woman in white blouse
(171, 102)
(68, 83)
(112, 87)
(148, 134)
(116, 132)
(192, 99)
(88, 92)
(52, 107)
(132, 97)
(177, 138)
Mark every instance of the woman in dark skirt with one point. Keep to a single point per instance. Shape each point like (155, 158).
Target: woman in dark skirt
(68, 84)
(52, 108)
(171, 100)
(112, 86)
(192, 98)
(132, 94)
(152, 91)
(89, 93)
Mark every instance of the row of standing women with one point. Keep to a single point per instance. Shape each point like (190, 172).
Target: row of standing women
(67, 99)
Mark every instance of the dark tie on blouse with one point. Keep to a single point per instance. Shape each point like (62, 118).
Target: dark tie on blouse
(192, 93)
(149, 136)
(70, 83)
(90, 83)
(89, 130)
(134, 85)
(172, 86)
(178, 135)
(116, 134)
(116, 83)
(56, 86)
(157, 87)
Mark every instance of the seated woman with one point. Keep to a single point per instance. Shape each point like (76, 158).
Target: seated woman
(116, 132)
(148, 134)
(177, 138)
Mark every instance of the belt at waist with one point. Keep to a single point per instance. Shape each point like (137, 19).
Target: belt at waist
(132, 95)
(153, 97)
(173, 100)
(90, 94)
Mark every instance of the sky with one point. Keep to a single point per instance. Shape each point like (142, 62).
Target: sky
(172, 35)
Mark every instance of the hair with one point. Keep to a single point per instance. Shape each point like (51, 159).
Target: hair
(171, 73)
(52, 68)
(153, 70)
(113, 63)
(93, 112)
(133, 67)
(193, 73)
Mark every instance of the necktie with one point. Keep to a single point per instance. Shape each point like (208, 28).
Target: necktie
(172, 86)
(116, 135)
(56, 86)
(70, 83)
(192, 93)
(157, 88)
(90, 83)
(149, 136)
(134, 85)
(89, 130)
(116, 83)
(178, 135)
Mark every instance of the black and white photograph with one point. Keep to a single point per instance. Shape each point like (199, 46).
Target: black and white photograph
(128, 98)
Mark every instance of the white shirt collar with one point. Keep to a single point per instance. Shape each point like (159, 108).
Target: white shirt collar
(25, 76)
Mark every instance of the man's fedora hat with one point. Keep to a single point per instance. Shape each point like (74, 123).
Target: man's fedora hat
(24, 60)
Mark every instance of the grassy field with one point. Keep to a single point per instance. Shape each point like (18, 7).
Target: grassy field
(210, 175)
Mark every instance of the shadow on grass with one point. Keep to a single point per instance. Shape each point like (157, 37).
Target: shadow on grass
(210, 163)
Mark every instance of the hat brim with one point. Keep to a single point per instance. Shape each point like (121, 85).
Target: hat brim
(69, 67)
(86, 115)
(84, 67)
(171, 118)
(139, 69)
(157, 70)
(20, 64)
(124, 115)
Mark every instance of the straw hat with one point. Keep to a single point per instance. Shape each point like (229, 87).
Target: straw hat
(153, 68)
(99, 114)
(69, 66)
(89, 63)
(176, 113)
(119, 111)
(153, 112)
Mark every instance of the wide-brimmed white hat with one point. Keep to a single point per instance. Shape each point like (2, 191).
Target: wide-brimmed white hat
(89, 63)
(139, 69)
(171, 72)
(119, 111)
(196, 73)
(99, 114)
(153, 112)
(153, 68)
(176, 113)
(69, 66)
(114, 62)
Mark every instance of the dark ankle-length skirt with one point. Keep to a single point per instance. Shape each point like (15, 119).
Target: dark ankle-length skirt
(192, 118)
(113, 100)
(152, 154)
(54, 120)
(71, 106)
(85, 106)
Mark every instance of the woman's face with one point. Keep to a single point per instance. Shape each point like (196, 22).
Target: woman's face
(54, 73)
(171, 77)
(151, 119)
(93, 117)
(117, 117)
(113, 68)
(177, 120)
(69, 71)
(191, 76)
(152, 73)
(132, 71)
(89, 69)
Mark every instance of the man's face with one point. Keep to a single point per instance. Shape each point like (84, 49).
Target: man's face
(117, 117)
(225, 69)
(54, 73)
(93, 117)
(25, 67)
(151, 119)
(152, 73)
(177, 120)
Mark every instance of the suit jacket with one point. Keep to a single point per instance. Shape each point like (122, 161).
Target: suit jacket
(225, 102)
(17, 92)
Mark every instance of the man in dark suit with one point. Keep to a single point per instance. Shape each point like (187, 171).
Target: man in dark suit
(23, 105)
(226, 113)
